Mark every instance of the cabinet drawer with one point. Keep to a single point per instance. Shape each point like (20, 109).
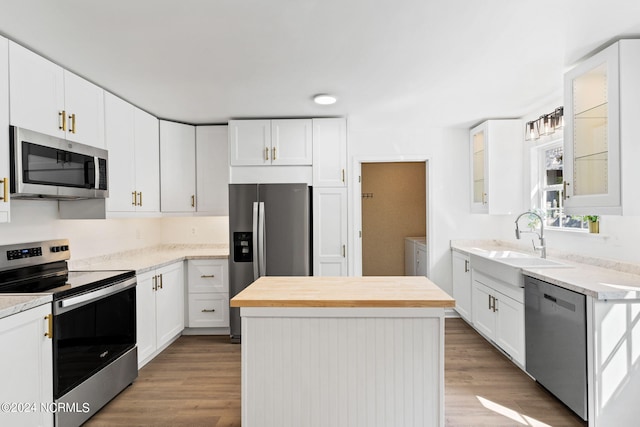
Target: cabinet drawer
(208, 310)
(208, 276)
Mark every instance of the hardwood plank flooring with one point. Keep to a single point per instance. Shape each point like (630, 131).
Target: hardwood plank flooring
(196, 382)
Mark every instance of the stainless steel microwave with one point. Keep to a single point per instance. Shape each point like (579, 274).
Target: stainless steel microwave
(44, 166)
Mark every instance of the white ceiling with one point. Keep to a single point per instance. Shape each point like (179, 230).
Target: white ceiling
(434, 62)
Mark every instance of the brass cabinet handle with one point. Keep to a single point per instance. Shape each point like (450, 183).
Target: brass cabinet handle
(344, 251)
(208, 276)
(134, 199)
(72, 118)
(489, 302)
(193, 201)
(565, 184)
(495, 308)
(49, 319)
(342, 175)
(466, 265)
(205, 310)
(484, 198)
(140, 202)
(154, 281)
(266, 153)
(62, 115)
(273, 152)
(5, 190)
(161, 281)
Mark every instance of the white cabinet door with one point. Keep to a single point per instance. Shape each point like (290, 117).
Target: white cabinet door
(177, 167)
(249, 142)
(147, 157)
(169, 302)
(146, 316)
(120, 139)
(510, 327)
(330, 232)
(291, 142)
(484, 319)
(212, 170)
(462, 284)
(4, 136)
(592, 134)
(84, 107)
(329, 153)
(26, 366)
(37, 92)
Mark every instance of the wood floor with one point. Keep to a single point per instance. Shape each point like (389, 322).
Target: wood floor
(196, 382)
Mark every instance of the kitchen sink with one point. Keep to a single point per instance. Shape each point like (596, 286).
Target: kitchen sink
(507, 265)
(533, 262)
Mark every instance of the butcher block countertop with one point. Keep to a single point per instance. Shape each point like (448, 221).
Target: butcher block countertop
(387, 291)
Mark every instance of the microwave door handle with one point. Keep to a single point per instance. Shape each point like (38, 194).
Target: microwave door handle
(256, 272)
(262, 243)
(96, 169)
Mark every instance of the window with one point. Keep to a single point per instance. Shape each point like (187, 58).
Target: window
(551, 180)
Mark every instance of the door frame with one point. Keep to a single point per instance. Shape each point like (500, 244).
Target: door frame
(355, 196)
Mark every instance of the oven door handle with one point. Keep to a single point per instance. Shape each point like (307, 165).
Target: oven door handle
(80, 300)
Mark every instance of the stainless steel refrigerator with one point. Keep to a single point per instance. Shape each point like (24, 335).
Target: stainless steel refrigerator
(269, 235)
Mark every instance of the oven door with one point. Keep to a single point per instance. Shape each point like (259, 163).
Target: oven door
(46, 166)
(90, 331)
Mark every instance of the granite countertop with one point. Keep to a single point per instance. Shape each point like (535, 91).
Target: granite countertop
(15, 303)
(388, 291)
(148, 259)
(601, 279)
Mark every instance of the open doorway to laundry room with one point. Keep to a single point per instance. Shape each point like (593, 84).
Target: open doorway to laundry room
(394, 197)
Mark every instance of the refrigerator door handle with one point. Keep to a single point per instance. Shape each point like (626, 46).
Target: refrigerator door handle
(256, 254)
(262, 244)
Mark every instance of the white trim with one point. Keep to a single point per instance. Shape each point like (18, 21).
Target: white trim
(355, 223)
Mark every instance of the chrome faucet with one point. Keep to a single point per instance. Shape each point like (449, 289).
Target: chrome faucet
(542, 248)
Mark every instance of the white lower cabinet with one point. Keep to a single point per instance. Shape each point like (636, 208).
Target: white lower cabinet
(415, 256)
(498, 316)
(208, 293)
(160, 309)
(461, 278)
(27, 369)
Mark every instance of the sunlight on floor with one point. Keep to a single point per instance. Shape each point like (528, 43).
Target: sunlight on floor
(511, 414)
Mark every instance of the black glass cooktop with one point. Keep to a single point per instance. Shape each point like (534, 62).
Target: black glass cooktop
(55, 279)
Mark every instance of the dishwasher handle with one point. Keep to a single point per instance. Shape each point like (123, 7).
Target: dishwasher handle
(560, 302)
(550, 298)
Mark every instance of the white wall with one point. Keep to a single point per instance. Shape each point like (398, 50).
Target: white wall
(196, 230)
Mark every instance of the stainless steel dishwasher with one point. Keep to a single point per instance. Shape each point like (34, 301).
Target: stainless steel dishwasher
(556, 341)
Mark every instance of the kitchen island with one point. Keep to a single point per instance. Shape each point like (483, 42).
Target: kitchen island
(342, 351)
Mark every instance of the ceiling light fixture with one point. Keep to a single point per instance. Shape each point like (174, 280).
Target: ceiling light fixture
(324, 99)
(545, 125)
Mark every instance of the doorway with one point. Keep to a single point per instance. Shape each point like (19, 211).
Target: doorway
(393, 206)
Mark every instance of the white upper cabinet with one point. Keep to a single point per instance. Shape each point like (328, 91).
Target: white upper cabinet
(496, 159)
(249, 142)
(212, 170)
(602, 104)
(291, 142)
(4, 135)
(147, 155)
(177, 167)
(329, 152)
(270, 142)
(132, 138)
(47, 99)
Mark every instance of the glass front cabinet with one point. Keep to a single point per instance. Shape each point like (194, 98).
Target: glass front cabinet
(496, 167)
(602, 106)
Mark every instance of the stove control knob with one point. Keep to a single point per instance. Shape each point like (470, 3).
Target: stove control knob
(55, 249)
(64, 248)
